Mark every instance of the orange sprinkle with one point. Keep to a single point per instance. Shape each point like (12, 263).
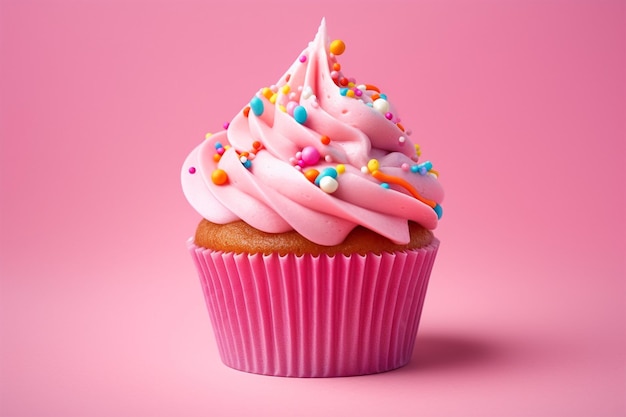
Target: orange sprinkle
(246, 111)
(219, 177)
(256, 145)
(400, 126)
(372, 87)
(375, 97)
(325, 140)
(217, 157)
(244, 153)
(380, 176)
(336, 66)
(311, 174)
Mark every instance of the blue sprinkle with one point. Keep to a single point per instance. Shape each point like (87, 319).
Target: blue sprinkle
(326, 172)
(426, 165)
(247, 164)
(415, 169)
(384, 96)
(256, 105)
(423, 171)
(370, 104)
(299, 113)
(343, 91)
(384, 185)
(439, 211)
(218, 145)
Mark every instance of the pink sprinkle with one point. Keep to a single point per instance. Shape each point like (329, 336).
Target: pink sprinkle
(226, 124)
(389, 116)
(405, 167)
(303, 58)
(220, 151)
(192, 170)
(358, 92)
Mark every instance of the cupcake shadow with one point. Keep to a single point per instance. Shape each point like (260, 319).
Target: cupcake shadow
(437, 352)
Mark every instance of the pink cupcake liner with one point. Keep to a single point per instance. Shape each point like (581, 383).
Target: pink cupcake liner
(315, 316)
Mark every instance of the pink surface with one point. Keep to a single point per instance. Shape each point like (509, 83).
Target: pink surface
(521, 105)
(315, 316)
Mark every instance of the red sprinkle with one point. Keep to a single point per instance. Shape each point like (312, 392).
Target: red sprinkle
(325, 140)
(246, 111)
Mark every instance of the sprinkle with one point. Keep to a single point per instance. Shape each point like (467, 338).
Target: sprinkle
(303, 58)
(415, 169)
(219, 177)
(405, 167)
(389, 115)
(350, 93)
(311, 174)
(217, 157)
(328, 184)
(246, 111)
(337, 47)
(438, 210)
(256, 105)
(418, 150)
(256, 145)
(372, 88)
(285, 89)
(381, 105)
(373, 165)
(326, 172)
(343, 81)
(382, 95)
(341, 168)
(291, 106)
(307, 92)
(220, 151)
(325, 140)
(401, 140)
(273, 98)
(192, 170)
(267, 92)
(425, 166)
(384, 185)
(310, 155)
(400, 126)
(380, 176)
(299, 113)
(336, 66)
(225, 125)
(358, 92)
(208, 135)
(364, 170)
(343, 91)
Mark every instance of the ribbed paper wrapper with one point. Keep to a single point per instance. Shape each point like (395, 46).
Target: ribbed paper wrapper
(315, 316)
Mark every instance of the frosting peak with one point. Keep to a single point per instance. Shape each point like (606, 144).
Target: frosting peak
(318, 153)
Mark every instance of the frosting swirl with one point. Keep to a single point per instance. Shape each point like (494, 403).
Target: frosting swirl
(316, 153)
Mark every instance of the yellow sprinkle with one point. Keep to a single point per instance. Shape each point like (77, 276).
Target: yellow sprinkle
(341, 168)
(286, 89)
(337, 47)
(418, 150)
(432, 171)
(351, 85)
(373, 165)
(208, 135)
(350, 93)
(282, 108)
(273, 98)
(267, 93)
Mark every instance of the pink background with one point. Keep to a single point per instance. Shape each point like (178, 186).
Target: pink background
(521, 106)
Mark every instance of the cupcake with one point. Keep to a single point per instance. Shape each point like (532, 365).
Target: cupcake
(316, 244)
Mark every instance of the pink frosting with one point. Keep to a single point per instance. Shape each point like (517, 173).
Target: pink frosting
(315, 118)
